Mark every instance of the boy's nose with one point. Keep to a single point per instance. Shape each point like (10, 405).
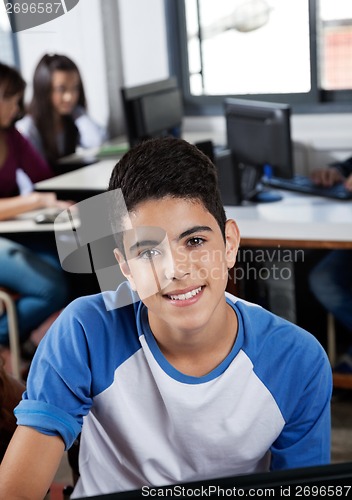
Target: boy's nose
(178, 265)
(176, 273)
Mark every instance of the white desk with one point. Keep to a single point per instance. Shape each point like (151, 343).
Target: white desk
(296, 221)
(25, 223)
(90, 178)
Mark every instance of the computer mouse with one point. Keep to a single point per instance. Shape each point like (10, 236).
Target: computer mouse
(45, 218)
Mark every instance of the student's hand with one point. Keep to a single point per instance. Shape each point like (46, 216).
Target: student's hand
(16, 205)
(327, 176)
(348, 183)
(48, 200)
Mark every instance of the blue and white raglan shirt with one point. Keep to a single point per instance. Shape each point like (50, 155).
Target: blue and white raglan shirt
(265, 407)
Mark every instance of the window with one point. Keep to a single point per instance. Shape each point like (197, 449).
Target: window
(296, 51)
(336, 44)
(8, 48)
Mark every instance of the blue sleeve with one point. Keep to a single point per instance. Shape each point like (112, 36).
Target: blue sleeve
(58, 391)
(306, 437)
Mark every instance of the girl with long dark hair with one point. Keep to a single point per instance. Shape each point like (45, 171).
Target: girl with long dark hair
(57, 121)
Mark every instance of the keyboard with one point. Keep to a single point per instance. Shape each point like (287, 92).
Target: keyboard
(303, 184)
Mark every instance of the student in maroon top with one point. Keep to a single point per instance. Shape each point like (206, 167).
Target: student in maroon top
(34, 274)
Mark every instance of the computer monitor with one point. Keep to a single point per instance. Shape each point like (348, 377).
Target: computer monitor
(259, 137)
(152, 110)
(324, 480)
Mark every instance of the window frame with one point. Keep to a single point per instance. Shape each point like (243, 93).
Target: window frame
(316, 101)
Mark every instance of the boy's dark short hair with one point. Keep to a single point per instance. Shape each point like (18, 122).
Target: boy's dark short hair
(167, 166)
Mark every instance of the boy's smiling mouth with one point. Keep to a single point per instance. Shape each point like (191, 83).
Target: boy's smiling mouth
(185, 297)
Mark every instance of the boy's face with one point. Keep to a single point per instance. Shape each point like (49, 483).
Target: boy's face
(177, 260)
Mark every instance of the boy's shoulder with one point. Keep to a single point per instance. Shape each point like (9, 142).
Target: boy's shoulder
(87, 330)
(266, 330)
(106, 306)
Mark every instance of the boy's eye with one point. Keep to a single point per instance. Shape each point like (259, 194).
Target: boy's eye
(148, 254)
(195, 241)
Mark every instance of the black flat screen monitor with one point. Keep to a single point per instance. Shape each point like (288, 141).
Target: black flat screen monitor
(152, 110)
(259, 137)
(334, 480)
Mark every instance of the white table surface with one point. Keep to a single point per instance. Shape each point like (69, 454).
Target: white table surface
(92, 177)
(25, 223)
(296, 220)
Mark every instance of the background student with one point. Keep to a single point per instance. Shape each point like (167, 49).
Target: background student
(35, 274)
(331, 279)
(57, 121)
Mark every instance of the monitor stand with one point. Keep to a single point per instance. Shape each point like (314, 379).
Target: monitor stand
(252, 187)
(263, 195)
(238, 183)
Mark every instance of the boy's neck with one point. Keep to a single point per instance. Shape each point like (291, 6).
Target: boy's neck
(198, 353)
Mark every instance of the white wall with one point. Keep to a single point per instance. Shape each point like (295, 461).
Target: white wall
(79, 35)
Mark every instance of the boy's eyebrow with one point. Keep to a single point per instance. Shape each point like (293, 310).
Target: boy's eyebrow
(144, 243)
(148, 243)
(193, 230)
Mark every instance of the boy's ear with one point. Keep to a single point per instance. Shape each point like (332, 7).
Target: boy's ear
(232, 235)
(125, 268)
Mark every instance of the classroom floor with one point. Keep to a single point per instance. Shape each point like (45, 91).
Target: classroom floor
(341, 447)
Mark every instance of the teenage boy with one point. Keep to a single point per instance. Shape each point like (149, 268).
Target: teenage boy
(186, 384)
